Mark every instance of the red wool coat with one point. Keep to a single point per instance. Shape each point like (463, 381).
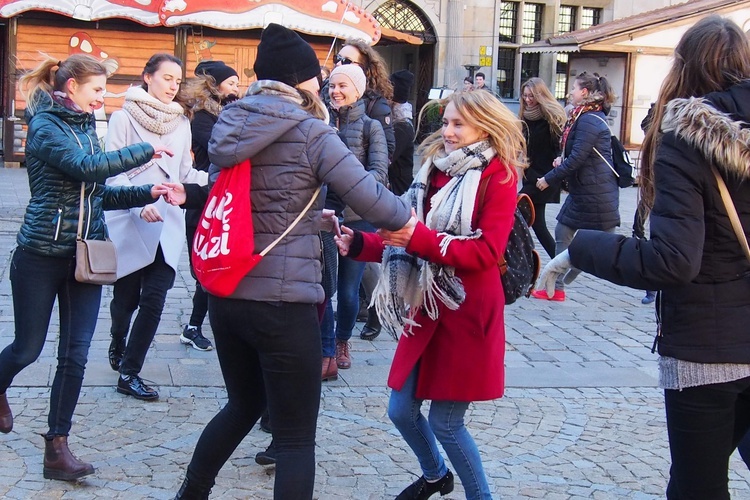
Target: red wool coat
(462, 352)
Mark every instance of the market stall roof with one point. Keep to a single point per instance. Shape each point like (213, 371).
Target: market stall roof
(337, 18)
(620, 33)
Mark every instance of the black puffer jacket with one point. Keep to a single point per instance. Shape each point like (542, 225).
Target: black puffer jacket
(593, 202)
(62, 150)
(693, 256)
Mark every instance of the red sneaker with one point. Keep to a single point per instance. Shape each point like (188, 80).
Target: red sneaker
(558, 296)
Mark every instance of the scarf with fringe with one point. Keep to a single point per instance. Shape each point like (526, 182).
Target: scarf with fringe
(409, 283)
(151, 113)
(575, 113)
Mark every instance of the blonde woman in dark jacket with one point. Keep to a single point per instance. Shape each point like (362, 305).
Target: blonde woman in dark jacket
(694, 256)
(267, 333)
(62, 152)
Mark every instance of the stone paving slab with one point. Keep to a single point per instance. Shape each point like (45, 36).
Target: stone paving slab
(582, 416)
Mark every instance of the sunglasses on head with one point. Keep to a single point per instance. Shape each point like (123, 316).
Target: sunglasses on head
(343, 60)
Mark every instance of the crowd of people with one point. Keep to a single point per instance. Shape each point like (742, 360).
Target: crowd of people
(335, 150)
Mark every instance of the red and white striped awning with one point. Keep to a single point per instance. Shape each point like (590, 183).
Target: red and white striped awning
(336, 18)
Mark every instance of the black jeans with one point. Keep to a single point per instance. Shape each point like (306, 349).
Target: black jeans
(200, 297)
(542, 232)
(36, 281)
(145, 290)
(268, 353)
(705, 424)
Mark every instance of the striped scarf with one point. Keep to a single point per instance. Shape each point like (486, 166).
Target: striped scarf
(409, 283)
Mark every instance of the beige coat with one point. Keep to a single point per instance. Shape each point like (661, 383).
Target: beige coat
(136, 241)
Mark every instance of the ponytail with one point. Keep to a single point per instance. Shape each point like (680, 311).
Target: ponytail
(52, 75)
(599, 88)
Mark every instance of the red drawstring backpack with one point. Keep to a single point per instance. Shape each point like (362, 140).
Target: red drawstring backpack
(222, 252)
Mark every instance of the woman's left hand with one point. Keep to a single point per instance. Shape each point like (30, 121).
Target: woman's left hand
(558, 266)
(400, 237)
(541, 184)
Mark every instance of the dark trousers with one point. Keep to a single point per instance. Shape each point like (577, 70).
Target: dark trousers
(268, 353)
(704, 425)
(145, 290)
(540, 229)
(36, 281)
(200, 297)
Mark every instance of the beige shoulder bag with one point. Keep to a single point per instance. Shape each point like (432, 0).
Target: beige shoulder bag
(732, 212)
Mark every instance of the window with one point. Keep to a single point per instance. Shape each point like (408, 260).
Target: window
(506, 64)
(590, 17)
(567, 20)
(508, 22)
(531, 30)
(561, 77)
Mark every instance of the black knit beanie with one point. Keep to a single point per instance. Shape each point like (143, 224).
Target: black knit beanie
(402, 81)
(216, 69)
(285, 57)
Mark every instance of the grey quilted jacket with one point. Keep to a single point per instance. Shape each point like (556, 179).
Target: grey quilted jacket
(292, 153)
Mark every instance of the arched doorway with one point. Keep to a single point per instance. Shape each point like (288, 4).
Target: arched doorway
(404, 17)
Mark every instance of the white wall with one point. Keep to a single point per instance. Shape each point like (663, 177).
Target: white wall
(613, 69)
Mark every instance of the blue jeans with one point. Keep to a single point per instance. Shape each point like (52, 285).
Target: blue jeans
(350, 276)
(445, 423)
(269, 354)
(327, 336)
(145, 290)
(36, 281)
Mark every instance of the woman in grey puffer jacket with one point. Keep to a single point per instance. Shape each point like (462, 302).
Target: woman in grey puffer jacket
(267, 333)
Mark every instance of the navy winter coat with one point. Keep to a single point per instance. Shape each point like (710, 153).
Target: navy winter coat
(594, 197)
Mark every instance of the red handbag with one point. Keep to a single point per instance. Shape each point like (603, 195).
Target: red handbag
(222, 252)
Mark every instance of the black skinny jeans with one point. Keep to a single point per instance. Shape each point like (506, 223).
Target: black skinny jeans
(145, 290)
(268, 353)
(200, 297)
(37, 281)
(705, 424)
(540, 229)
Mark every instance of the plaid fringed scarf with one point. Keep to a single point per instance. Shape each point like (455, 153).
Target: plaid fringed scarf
(407, 282)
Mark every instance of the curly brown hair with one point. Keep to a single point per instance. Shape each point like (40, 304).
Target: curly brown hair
(375, 68)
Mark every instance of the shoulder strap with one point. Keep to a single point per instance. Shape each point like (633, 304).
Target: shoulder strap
(732, 213)
(294, 223)
(80, 212)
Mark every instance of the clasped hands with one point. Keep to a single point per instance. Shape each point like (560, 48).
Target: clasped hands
(398, 238)
(172, 192)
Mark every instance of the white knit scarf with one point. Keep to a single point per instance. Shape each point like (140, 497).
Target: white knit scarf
(151, 113)
(409, 283)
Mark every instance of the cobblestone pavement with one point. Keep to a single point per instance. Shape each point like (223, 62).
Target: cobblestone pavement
(582, 416)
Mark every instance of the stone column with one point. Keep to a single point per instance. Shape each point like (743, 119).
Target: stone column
(454, 72)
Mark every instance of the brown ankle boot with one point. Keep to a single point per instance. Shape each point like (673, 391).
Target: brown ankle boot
(343, 358)
(59, 462)
(6, 416)
(330, 370)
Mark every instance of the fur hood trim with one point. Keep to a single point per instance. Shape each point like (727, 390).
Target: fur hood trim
(714, 134)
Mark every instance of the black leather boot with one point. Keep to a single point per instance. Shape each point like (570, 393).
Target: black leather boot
(422, 490)
(6, 416)
(116, 352)
(191, 490)
(59, 462)
(372, 327)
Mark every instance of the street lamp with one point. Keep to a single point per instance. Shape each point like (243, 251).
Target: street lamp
(471, 68)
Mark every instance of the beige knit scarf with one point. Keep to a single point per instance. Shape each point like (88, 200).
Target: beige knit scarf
(151, 113)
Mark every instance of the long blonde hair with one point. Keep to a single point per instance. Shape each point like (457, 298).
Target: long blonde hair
(485, 112)
(713, 55)
(45, 78)
(552, 112)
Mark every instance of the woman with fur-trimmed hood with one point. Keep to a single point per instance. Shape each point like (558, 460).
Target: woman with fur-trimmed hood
(694, 256)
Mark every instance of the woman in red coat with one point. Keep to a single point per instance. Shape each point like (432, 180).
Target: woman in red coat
(442, 270)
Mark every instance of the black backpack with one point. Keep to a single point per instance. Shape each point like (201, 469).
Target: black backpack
(519, 266)
(623, 166)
